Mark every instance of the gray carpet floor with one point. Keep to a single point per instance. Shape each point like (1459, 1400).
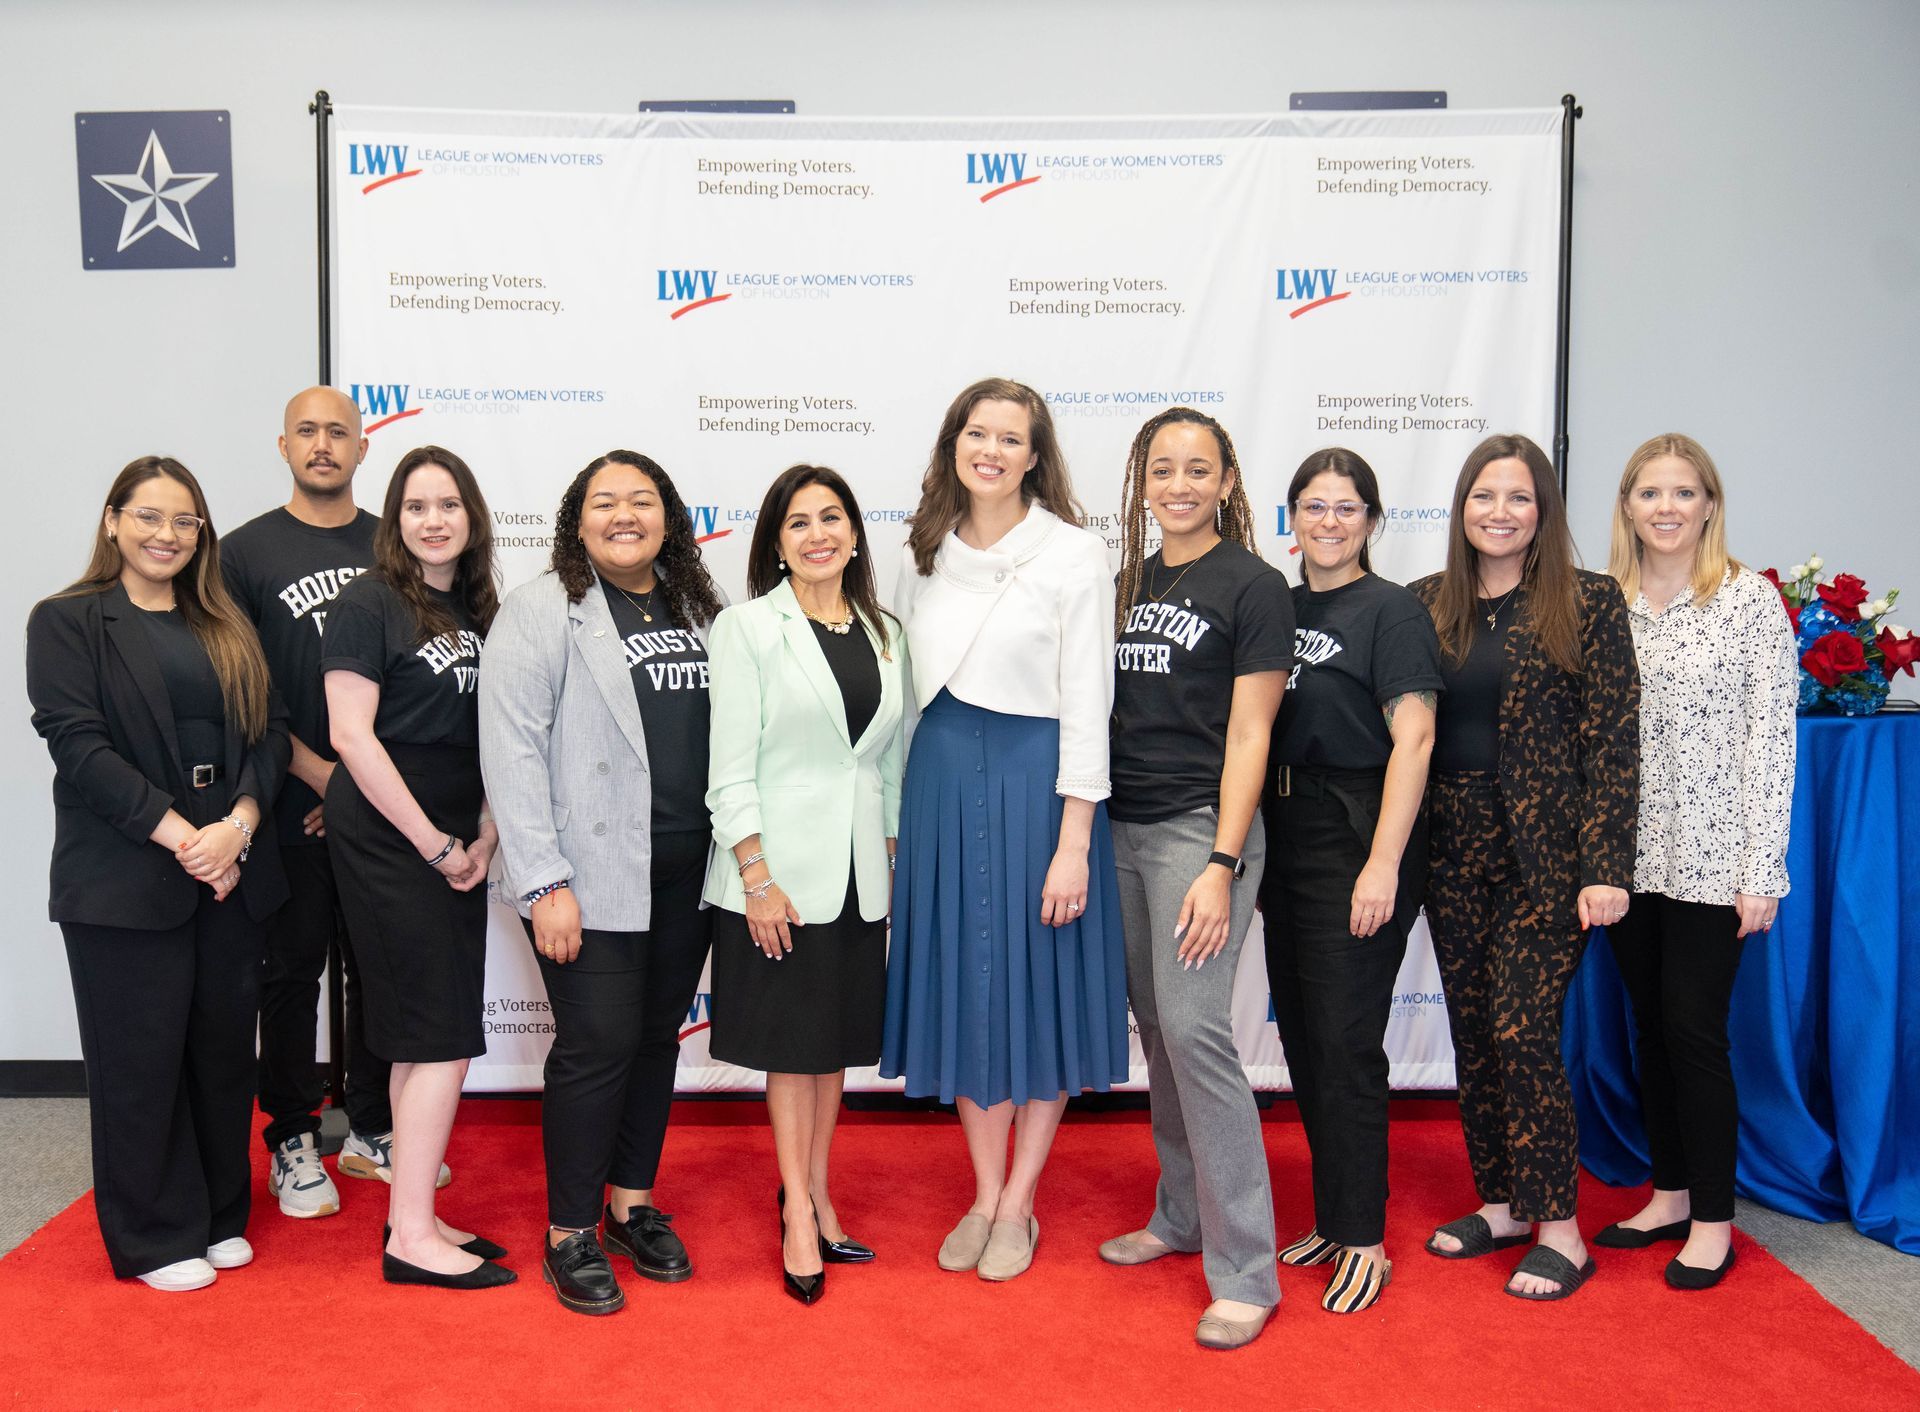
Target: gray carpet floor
(44, 1155)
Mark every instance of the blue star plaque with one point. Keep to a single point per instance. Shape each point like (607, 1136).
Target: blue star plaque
(156, 190)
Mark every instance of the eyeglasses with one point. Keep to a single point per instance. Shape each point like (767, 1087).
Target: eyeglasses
(152, 521)
(1345, 511)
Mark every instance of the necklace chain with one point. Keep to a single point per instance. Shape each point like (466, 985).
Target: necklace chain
(645, 609)
(1153, 575)
(842, 628)
(1493, 613)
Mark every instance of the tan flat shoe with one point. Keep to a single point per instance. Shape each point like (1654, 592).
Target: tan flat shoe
(1132, 1249)
(965, 1243)
(1216, 1332)
(1009, 1249)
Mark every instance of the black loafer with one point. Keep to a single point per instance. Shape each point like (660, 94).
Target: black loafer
(485, 1275)
(578, 1270)
(1619, 1237)
(646, 1237)
(479, 1245)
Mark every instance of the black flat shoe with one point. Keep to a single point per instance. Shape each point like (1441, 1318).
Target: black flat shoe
(1693, 1277)
(581, 1277)
(1619, 1237)
(479, 1245)
(485, 1275)
(646, 1237)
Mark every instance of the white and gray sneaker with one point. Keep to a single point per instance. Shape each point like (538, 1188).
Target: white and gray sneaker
(298, 1178)
(372, 1156)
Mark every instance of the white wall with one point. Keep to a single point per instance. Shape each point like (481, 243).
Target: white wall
(1746, 261)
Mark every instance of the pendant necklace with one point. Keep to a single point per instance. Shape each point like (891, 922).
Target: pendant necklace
(1493, 613)
(841, 628)
(1153, 573)
(645, 609)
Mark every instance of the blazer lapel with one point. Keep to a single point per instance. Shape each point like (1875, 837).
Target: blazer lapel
(129, 638)
(606, 657)
(808, 656)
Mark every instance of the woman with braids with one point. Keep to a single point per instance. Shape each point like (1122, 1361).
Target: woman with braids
(408, 831)
(1204, 642)
(1534, 793)
(593, 741)
(151, 692)
(1347, 857)
(1006, 986)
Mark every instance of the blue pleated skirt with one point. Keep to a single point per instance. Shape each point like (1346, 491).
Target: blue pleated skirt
(984, 1000)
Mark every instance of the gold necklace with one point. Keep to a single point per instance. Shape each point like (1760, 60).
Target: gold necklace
(1153, 573)
(1493, 614)
(842, 628)
(645, 609)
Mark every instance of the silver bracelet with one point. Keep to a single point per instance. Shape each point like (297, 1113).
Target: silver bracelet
(759, 893)
(246, 834)
(748, 861)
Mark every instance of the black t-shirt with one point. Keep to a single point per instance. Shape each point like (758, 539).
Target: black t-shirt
(1467, 735)
(669, 667)
(1355, 648)
(429, 691)
(285, 574)
(1190, 632)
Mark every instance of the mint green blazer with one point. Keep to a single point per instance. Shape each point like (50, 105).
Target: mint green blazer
(782, 766)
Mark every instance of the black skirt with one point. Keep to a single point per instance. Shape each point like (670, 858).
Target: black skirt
(817, 1010)
(422, 947)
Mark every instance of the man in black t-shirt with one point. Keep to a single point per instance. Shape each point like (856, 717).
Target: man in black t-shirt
(285, 569)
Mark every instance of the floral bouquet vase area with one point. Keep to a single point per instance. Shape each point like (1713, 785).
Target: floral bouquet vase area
(1848, 651)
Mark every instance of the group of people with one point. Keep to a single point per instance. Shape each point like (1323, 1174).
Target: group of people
(954, 832)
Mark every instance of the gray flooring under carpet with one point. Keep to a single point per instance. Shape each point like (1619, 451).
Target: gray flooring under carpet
(44, 1149)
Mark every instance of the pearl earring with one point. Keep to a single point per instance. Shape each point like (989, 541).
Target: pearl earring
(854, 555)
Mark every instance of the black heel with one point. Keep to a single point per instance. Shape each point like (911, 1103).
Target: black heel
(832, 1252)
(805, 1288)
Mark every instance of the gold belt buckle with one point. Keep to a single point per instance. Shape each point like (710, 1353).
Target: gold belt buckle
(1282, 781)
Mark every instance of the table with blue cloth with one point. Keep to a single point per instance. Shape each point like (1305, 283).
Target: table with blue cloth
(1825, 1021)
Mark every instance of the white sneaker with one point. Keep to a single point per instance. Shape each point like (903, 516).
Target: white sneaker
(180, 1276)
(297, 1177)
(230, 1254)
(364, 1156)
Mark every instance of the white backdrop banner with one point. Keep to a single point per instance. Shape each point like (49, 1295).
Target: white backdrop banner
(732, 295)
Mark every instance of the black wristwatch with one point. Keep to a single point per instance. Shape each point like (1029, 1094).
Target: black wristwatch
(1236, 866)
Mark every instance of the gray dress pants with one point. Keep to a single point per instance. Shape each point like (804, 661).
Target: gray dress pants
(1214, 1194)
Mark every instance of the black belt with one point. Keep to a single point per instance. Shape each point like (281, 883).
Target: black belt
(1356, 791)
(200, 776)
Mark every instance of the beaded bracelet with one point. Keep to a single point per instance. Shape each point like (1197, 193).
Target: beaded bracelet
(540, 892)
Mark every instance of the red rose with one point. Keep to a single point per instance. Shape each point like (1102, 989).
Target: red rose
(1900, 652)
(1844, 596)
(1772, 576)
(1834, 656)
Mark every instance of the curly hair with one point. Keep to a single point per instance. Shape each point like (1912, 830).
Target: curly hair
(687, 590)
(1232, 519)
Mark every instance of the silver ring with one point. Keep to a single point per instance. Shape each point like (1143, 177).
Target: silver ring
(1073, 906)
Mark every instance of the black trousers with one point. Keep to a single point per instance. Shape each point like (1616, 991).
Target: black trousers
(297, 937)
(1679, 960)
(166, 1028)
(1332, 996)
(617, 1013)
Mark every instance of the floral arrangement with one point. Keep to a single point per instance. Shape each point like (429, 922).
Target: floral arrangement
(1848, 652)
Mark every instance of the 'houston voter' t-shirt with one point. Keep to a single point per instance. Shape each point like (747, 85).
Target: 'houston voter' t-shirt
(1356, 648)
(669, 667)
(1191, 630)
(285, 574)
(429, 691)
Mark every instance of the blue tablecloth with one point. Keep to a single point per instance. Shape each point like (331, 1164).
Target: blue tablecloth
(1826, 1011)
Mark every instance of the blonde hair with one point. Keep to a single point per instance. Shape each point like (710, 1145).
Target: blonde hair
(1710, 558)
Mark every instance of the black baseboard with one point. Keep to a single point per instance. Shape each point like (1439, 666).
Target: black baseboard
(43, 1078)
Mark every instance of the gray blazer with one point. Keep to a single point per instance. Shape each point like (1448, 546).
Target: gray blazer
(565, 756)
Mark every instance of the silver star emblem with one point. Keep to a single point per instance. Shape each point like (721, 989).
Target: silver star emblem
(156, 197)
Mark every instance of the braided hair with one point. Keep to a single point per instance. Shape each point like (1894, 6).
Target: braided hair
(1232, 519)
(686, 588)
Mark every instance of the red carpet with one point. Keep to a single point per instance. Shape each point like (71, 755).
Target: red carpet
(310, 1326)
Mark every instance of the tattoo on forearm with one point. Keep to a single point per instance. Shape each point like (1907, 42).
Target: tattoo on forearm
(1431, 698)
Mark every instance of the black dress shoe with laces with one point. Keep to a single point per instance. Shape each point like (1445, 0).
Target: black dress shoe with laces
(646, 1237)
(581, 1275)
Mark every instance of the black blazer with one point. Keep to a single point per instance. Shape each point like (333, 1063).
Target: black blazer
(101, 703)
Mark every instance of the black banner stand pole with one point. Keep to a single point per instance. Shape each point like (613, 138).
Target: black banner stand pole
(333, 1119)
(1570, 113)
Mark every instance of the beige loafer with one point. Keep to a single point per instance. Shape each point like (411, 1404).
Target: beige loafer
(965, 1243)
(1131, 1249)
(1216, 1332)
(1009, 1249)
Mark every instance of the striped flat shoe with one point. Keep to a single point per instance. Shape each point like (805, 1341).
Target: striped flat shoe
(1311, 1249)
(1356, 1284)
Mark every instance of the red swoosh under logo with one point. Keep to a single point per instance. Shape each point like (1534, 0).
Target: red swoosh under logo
(397, 176)
(695, 1029)
(717, 534)
(410, 412)
(1330, 299)
(1010, 186)
(698, 304)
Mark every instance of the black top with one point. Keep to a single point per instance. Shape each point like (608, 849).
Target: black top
(857, 672)
(429, 691)
(1467, 733)
(669, 667)
(1190, 632)
(1355, 648)
(285, 574)
(193, 689)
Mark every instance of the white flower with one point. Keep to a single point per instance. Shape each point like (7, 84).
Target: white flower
(1798, 571)
(1877, 607)
(1813, 564)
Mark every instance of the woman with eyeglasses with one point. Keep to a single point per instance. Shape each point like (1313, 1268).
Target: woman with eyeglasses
(409, 833)
(1347, 857)
(150, 689)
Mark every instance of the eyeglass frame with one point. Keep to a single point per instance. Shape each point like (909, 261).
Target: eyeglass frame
(152, 526)
(1355, 509)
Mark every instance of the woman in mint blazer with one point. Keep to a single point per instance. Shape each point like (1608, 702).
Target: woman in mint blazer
(809, 692)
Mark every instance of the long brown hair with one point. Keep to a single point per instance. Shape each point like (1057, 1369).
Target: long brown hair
(1552, 609)
(1232, 520)
(198, 591)
(1710, 558)
(765, 571)
(943, 500)
(686, 588)
(473, 574)
(1352, 467)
